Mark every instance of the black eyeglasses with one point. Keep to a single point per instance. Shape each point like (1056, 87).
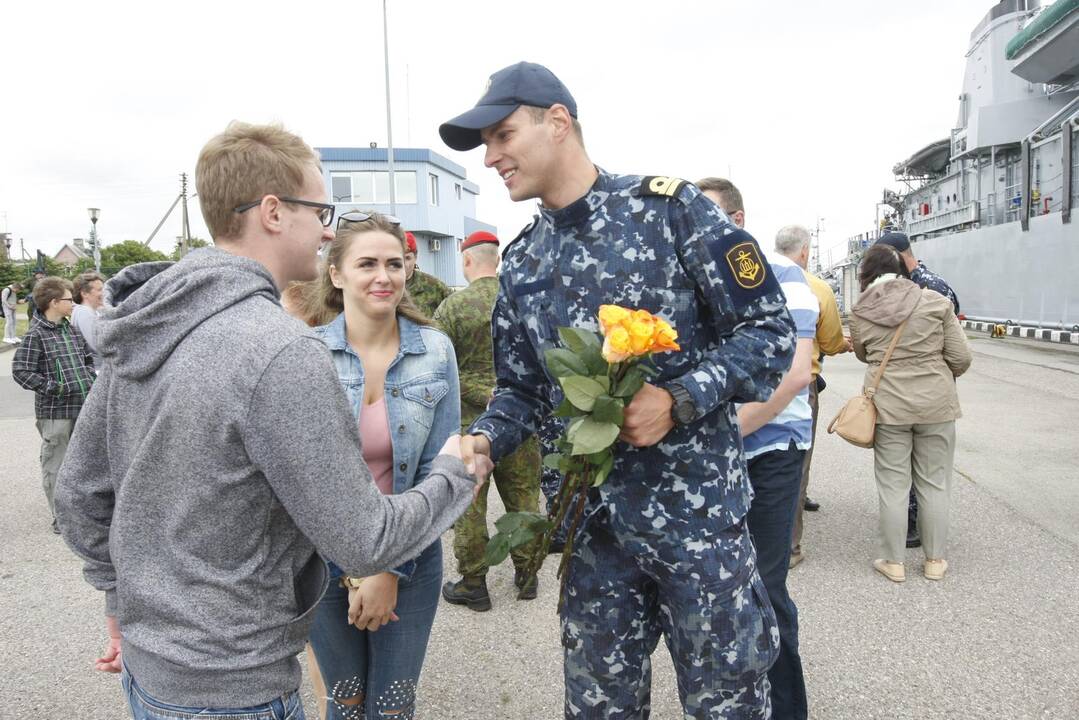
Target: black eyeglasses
(356, 216)
(325, 212)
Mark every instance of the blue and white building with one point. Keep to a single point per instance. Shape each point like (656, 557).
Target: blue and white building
(434, 199)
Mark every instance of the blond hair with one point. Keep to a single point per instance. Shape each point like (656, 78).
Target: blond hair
(320, 300)
(243, 164)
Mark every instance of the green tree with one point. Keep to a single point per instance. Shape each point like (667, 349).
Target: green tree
(10, 272)
(192, 244)
(129, 252)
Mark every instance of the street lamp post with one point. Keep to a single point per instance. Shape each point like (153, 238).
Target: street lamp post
(95, 213)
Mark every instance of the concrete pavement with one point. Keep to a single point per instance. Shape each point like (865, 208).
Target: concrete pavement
(995, 639)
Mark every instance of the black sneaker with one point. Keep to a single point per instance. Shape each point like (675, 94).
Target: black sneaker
(525, 593)
(470, 592)
(811, 505)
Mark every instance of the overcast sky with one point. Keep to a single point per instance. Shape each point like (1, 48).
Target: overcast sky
(807, 106)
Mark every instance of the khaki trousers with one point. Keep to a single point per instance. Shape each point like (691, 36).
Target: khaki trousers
(55, 435)
(922, 454)
(814, 405)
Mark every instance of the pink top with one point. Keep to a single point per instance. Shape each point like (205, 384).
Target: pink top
(377, 445)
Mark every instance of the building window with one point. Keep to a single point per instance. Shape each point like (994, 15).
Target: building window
(434, 188)
(341, 187)
(373, 187)
(457, 190)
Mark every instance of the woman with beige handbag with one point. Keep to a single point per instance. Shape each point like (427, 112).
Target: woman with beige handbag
(916, 403)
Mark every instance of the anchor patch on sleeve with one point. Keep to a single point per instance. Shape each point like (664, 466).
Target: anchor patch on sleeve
(746, 265)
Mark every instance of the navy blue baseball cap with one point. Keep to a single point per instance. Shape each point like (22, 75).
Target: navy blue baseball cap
(897, 240)
(508, 89)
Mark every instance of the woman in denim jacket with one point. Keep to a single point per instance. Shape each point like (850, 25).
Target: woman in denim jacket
(370, 634)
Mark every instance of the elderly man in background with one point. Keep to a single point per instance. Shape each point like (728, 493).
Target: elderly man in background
(792, 242)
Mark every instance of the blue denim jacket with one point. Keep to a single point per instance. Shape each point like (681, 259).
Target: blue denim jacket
(423, 399)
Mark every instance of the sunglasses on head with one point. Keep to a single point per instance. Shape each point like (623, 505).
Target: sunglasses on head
(357, 216)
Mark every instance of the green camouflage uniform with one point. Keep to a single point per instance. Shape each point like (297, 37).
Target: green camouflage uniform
(466, 317)
(428, 292)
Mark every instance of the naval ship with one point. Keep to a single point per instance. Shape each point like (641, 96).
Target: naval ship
(990, 207)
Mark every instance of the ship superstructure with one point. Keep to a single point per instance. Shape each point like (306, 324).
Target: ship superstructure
(990, 206)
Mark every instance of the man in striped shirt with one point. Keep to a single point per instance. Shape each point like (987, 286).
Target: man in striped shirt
(776, 435)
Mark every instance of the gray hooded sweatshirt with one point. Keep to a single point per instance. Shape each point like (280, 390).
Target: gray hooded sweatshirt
(214, 457)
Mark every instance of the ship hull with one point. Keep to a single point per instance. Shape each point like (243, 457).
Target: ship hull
(1004, 273)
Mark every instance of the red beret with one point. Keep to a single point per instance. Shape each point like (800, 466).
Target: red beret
(410, 241)
(479, 238)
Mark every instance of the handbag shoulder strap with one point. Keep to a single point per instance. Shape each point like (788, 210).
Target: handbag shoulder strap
(887, 357)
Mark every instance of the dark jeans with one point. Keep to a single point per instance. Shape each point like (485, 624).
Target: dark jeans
(381, 666)
(776, 477)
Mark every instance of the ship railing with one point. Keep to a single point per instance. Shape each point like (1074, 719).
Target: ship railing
(963, 215)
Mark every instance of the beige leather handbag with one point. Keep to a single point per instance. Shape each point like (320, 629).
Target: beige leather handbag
(856, 421)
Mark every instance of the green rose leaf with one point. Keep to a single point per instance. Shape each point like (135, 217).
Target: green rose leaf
(593, 358)
(581, 391)
(603, 471)
(566, 409)
(510, 521)
(630, 383)
(522, 536)
(578, 340)
(565, 363)
(608, 410)
(599, 458)
(592, 436)
(553, 461)
(498, 549)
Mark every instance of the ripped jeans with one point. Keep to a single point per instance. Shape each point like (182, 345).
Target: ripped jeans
(373, 675)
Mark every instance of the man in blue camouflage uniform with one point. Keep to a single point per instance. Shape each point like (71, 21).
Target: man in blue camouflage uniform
(664, 548)
(923, 277)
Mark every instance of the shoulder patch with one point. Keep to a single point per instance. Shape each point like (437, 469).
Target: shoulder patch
(746, 264)
(660, 185)
(740, 264)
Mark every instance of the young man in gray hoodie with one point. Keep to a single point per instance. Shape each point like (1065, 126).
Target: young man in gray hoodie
(217, 456)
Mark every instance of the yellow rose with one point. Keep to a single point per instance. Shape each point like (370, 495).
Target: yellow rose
(611, 315)
(640, 334)
(664, 337)
(616, 345)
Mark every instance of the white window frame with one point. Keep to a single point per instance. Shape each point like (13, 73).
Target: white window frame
(432, 189)
(375, 200)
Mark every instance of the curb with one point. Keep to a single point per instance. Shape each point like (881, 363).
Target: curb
(1069, 337)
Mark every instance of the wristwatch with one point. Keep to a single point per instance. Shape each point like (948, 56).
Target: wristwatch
(683, 411)
(347, 581)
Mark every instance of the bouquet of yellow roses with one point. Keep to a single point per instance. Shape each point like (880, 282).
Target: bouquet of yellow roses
(599, 374)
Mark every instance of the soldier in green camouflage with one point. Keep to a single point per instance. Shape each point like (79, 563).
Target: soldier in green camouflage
(466, 317)
(427, 291)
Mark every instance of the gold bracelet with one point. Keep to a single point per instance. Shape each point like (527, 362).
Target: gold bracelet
(352, 582)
